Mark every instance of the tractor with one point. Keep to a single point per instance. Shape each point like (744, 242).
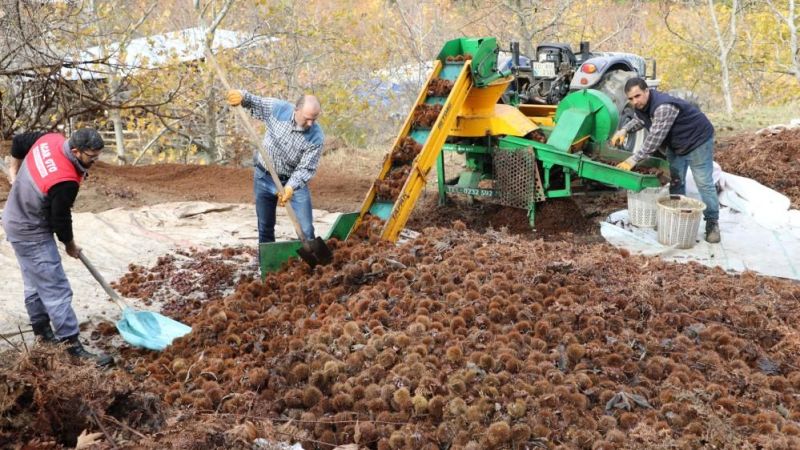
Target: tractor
(558, 71)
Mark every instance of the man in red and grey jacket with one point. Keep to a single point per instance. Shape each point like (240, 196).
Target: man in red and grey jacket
(47, 173)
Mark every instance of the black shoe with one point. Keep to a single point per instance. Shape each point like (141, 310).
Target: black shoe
(75, 348)
(44, 333)
(712, 232)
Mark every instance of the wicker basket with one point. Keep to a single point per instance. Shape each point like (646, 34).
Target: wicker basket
(679, 220)
(642, 207)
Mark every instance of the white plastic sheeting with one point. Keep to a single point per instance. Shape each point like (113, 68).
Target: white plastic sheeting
(115, 238)
(759, 231)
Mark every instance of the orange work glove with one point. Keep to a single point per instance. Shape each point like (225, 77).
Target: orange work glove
(628, 164)
(234, 97)
(287, 195)
(618, 139)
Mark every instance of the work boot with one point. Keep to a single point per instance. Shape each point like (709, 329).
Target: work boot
(44, 333)
(75, 348)
(712, 232)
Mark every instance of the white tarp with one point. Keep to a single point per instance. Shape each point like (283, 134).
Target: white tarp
(759, 231)
(115, 238)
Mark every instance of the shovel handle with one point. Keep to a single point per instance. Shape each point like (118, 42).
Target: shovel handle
(251, 132)
(106, 287)
(4, 169)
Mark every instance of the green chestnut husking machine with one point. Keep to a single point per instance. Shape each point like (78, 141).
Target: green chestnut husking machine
(514, 155)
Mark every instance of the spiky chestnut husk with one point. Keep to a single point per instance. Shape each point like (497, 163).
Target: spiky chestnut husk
(497, 434)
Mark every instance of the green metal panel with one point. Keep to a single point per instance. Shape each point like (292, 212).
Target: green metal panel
(616, 155)
(625, 179)
(469, 179)
(341, 228)
(484, 58)
(450, 71)
(574, 124)
(512, 142)
(420, 135)
(274, 254)
(453, 48)
(440, 177)
(588, 168)
(435, 100)
(605, 115)
(544, 152)
(467, 148)
(381, 209)
(479, 162)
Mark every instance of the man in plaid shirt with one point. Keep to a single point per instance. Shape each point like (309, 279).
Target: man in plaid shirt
(294, 142)
(688, 136)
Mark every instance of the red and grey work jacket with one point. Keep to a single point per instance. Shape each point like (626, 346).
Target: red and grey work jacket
(48, 163)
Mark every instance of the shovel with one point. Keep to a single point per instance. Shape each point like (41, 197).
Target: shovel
(315, 251)
(140, 328)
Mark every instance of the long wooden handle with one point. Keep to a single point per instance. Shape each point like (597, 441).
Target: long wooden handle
(4, 169)
(106, 287)
(253, 135)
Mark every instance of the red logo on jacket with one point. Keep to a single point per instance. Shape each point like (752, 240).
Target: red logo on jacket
(48, 165)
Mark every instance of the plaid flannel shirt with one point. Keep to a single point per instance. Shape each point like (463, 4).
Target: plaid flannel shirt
(663, 118)
(295, 153)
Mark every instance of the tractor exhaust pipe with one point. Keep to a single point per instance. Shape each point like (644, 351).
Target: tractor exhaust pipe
(515, 68)
(584, 49)
(515, 54)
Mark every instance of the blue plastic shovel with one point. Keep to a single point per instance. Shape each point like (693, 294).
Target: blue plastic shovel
(144, 329)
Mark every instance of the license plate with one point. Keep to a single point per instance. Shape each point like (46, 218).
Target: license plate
(544, 69)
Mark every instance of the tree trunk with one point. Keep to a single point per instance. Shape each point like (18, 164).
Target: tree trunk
(791, 25)
(726, 84)
(119, 139)
(211, 120)
(793, 45)
(725, 47)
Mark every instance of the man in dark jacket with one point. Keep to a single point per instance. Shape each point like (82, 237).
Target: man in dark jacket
(689, 139)
(47, 175)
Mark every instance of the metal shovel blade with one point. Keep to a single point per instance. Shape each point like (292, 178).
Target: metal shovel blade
(140, 328)
(315, 252)
(149, 330)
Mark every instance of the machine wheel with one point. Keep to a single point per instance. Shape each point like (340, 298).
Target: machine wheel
(633, 141)
(613, 85)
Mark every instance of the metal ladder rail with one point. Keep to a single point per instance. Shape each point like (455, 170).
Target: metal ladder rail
(371, 196)
(426, 159)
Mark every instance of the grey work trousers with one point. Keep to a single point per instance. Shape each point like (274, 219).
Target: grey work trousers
(48, 295)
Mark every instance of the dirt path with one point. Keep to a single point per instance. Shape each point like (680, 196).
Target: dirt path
(345, 176)
(771, 157)
(336, 187)
(340, 185)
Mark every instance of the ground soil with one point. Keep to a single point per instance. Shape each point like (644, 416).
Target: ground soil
(570, 219)
(771, 157)
(478, 334)
(334, 188)
(456, 339)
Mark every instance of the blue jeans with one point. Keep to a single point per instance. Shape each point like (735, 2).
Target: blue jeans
(48, 295)
(701, 160)
(266, 194)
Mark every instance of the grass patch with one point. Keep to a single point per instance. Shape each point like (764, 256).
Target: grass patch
(753, 118)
